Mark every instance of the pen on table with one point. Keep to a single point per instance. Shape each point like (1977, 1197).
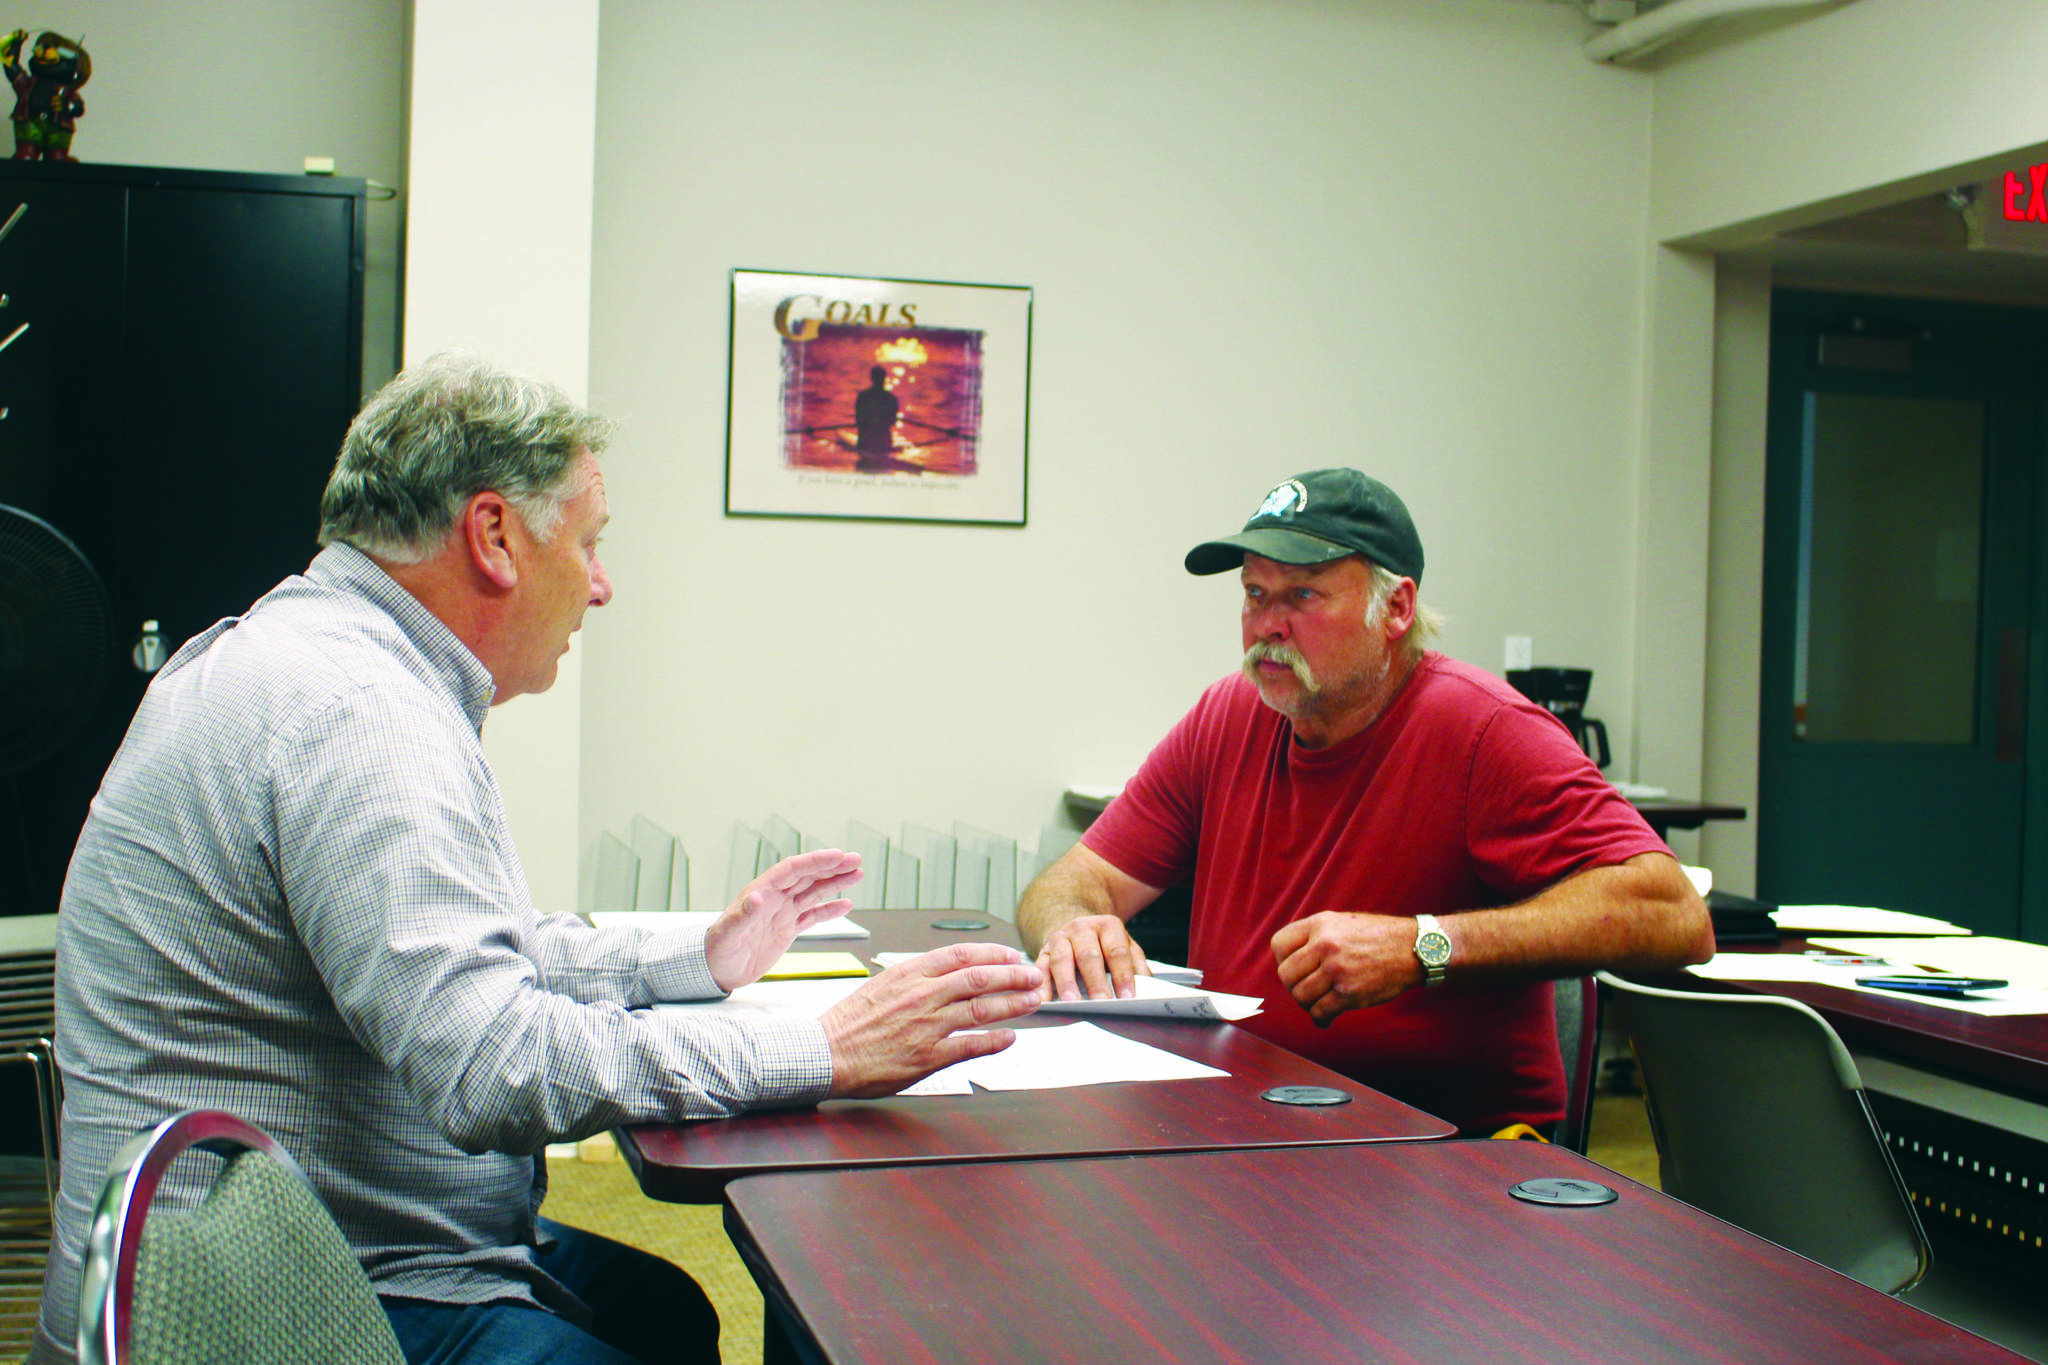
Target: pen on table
(1954, 986)
(1846, 960)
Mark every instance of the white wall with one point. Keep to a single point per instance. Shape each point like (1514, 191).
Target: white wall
(1796, 119)
(223, 85)
(1759, 127)
(1264, 237)
(499, 263)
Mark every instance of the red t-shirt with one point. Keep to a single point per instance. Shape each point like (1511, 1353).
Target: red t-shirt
(1463, 795)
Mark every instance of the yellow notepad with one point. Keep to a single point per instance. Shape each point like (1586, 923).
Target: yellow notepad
(803, 966)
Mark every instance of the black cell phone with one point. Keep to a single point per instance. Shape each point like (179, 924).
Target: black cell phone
(1932, 985)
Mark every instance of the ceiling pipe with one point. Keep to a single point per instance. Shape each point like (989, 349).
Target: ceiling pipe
(1648, 31)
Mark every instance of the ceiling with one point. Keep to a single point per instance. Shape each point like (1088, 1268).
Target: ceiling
(1926, 247)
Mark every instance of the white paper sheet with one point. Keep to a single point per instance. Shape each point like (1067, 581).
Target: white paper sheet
(1163, 971)
(1157, 999)
(1165, 994)
(1857, 919)
(1070, 1055)
(804, 998)
(841, 927)
(2019, 998)
(1040, 1059)
(2023, 964)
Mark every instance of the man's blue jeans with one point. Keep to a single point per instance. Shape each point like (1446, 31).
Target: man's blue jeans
(646, 1311)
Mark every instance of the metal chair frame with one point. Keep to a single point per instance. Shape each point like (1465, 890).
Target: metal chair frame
(107, 1276)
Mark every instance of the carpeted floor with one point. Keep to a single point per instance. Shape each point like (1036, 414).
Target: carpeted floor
(600, 1196)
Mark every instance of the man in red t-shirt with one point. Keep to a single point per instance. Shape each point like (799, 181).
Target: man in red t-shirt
(1362, 817)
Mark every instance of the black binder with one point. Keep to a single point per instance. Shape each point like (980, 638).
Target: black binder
(1738, 919)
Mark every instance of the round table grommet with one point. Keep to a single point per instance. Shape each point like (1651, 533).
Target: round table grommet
(1564, 1192)
(1314, 1095)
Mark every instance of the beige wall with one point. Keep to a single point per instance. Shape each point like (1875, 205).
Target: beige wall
(499, 263)
(1758, 126)
(1785, 120)
(1263, 238)
(309, 78)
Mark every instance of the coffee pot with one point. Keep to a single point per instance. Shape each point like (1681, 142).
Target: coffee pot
(1562, 692)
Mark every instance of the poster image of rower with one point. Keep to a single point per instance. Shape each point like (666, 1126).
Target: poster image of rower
(878, 399)
(889, 401)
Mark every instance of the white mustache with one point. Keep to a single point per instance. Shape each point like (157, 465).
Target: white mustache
(1284, 654)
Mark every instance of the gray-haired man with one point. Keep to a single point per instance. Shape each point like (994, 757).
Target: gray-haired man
(296, 898)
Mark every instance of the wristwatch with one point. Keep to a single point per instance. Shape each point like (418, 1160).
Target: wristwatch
(1433, 947)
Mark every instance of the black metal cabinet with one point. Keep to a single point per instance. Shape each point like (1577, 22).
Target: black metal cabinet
(192, 357)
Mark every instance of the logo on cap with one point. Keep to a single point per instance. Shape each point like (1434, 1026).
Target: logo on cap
(1284, 499)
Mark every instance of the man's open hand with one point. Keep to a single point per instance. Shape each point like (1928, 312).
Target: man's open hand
(758, 928)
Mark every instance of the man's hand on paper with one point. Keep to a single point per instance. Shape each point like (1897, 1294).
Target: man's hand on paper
(1333, 962)
(904, 1024)
(757, 929)
(1092, 957)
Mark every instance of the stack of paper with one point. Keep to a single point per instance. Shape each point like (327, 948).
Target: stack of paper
(2028, 993)
(2023, 964)
(805, 966)
(1158, 997)
(1857, 919)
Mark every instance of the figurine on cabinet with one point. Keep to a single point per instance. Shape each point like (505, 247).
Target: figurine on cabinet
(46, 105)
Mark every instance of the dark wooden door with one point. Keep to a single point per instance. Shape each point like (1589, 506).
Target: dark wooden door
(1900, 553)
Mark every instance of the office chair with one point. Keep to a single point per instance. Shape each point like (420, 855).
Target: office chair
(1759, 1117)
(1578, 1040)
(257, 1273)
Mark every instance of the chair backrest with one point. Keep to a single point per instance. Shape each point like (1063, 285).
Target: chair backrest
(900, 880)
(1578, 1041)
(257, 1273)
(1002, 866)
(743, 855)
(970, 879)
(934, 853)
(783, 835)
(618, 875)
(873, 847)
(656, 849)
(1759, 1117)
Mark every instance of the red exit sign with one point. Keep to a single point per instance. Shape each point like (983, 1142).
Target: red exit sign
(2027, 201)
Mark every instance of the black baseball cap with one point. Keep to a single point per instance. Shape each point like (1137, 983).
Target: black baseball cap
(1319, 516)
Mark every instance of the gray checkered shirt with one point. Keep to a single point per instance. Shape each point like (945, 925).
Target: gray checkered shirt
(296, 898)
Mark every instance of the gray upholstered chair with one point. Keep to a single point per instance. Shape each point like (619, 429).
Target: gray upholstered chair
(257, 1273)
(1759, 1116)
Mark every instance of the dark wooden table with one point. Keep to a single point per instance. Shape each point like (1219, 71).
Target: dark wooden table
(691, 1163)
(2004, 1052)
(1411, 1252)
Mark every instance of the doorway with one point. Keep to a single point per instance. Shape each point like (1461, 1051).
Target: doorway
(1904, 713)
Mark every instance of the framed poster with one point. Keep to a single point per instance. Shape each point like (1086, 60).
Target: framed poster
(895, 400)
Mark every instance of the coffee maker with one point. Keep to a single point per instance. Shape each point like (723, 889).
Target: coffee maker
(1562, 692)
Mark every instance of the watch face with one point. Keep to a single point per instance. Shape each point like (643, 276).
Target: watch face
(1434, 949)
